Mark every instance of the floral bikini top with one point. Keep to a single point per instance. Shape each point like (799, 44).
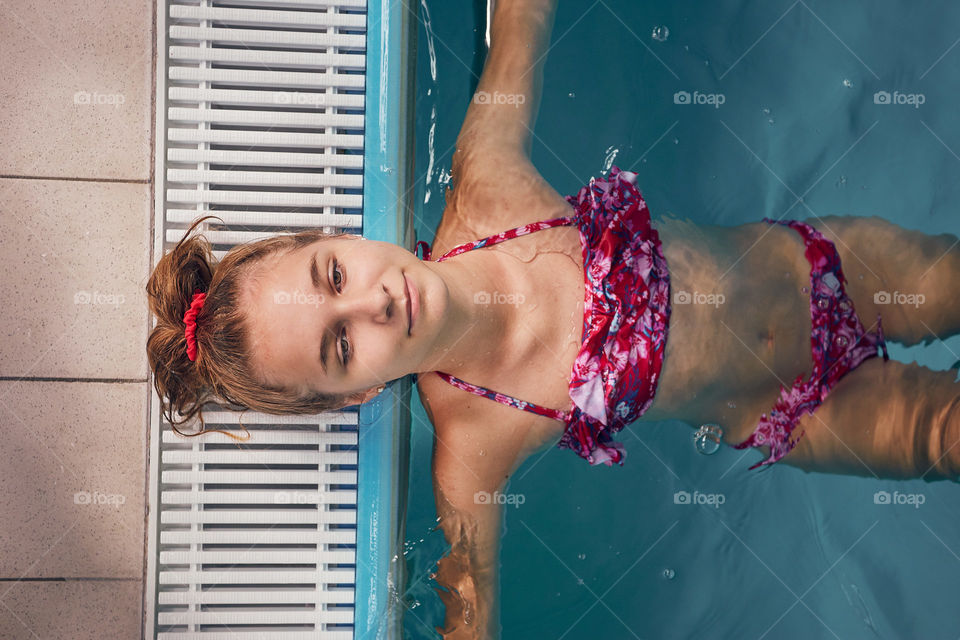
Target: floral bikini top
(625, 318)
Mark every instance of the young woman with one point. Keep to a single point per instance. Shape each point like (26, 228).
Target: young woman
(567, 316)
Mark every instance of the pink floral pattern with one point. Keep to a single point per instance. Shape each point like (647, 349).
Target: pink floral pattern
(627, 315)
(838, 343)
(625, 322)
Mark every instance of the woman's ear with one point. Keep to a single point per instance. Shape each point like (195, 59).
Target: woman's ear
(368, 395)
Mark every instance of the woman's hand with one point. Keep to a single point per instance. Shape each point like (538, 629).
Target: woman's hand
(503, 109)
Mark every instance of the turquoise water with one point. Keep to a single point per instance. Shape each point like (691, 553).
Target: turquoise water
(605, 552)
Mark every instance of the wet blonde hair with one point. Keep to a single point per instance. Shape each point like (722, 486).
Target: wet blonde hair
(223, 369)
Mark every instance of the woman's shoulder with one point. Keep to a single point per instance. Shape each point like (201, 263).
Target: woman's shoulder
(461, 419)
(496, 194)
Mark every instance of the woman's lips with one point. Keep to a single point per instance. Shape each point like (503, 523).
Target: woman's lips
(406, 292)
(413, 304)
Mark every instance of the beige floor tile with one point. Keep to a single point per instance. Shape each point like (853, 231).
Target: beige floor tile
(71, 610)
(76, 78)
(74, 261)
(72, 468)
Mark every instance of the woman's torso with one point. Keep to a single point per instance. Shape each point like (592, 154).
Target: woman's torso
(725, 358)
(546, 278)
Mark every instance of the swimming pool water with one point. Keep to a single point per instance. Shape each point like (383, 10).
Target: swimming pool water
(598, 552)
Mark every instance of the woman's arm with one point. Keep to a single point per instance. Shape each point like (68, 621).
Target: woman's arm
(470, 571)
(501, 115)
(468, 460)
(493, 179)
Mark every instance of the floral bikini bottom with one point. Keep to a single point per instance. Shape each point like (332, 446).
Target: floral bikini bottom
(838, 343)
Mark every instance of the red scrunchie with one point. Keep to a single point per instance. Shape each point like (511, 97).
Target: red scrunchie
(190, 318)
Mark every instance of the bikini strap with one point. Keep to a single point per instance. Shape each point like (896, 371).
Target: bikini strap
(496, 238)
(503, 398)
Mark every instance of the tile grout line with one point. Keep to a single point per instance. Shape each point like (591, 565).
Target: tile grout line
(74, 179)
(151, 166)
(55, 379)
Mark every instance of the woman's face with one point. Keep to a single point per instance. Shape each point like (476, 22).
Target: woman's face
(347, 295)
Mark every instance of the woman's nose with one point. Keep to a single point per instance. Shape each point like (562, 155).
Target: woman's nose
(373, 304)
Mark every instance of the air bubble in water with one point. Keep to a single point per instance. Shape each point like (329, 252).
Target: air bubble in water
(582, 556)
(660, 33)
(847, 83)
(668, 574)
(571, 95)
(707, 438)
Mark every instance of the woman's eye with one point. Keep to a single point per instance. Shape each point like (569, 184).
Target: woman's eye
(338, 284)
(345, 347)
(336, 272)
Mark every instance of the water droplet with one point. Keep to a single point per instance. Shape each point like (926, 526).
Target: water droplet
(766, 111)
(847, 83)
(611, 155)
(571, 95)
(707, 438)
(770, 120)
(660, 33)
(823, 304)
(842, 341)
(668, 574)
(582, 556)
(804, 289)
(842, 181)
